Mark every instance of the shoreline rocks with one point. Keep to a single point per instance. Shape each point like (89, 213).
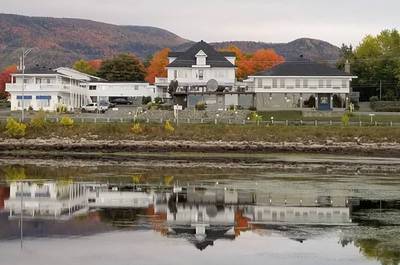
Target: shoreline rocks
(386, 149)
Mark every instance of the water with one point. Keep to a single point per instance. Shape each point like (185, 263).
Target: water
(174, 211)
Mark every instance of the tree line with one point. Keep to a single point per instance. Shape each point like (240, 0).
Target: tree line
(376, 63)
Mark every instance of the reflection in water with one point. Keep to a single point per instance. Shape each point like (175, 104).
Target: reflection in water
(201, 212)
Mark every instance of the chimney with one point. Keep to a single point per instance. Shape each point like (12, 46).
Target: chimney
(347, 67)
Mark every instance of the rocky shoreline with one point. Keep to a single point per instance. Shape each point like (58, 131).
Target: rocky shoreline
(385, 149)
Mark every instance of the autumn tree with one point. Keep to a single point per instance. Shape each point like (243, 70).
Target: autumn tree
(248, 64)
(87, 67)
(157, 66)
(5, 77)
(123, 67)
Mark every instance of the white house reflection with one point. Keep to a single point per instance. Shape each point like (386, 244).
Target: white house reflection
(200, 213)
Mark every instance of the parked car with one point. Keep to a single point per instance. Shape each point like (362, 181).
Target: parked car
(122, 101)
(94, 107)
(107, 105)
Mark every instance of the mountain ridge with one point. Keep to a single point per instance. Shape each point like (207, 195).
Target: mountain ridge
(61, 41)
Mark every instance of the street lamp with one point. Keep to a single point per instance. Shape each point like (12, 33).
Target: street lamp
(25, 53)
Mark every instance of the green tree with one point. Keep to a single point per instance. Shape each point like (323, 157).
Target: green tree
(84, 67)
(376, 62)
(123, 67)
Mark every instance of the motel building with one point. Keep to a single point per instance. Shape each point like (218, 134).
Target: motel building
(202, 74)
(48, 89)
(301, 84)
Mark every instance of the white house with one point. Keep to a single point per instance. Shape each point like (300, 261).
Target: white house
(47, 89)
(202, 74)
(108, 91)
(46, 200)
(300, 84)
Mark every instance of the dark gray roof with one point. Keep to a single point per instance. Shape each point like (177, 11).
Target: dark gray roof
(302, 67)
(188, 58)
(228, 54)
(174, 54)
(39, 70)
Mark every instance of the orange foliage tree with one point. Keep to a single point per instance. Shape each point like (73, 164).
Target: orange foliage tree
(248, 64)
(95, 64)
(5, 77)
(158, 64)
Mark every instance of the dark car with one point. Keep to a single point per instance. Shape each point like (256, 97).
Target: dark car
(121, 101)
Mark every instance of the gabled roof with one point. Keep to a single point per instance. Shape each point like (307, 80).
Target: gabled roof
(188, 58)
(302, 67)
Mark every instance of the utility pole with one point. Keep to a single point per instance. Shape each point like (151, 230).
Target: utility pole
(22, 67)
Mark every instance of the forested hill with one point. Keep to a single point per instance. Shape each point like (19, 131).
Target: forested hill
(61, 41)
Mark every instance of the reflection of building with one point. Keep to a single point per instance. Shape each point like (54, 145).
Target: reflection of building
(104, 198)
(47, 200)
(4, 194)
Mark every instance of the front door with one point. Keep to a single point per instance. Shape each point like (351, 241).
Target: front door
(324, 102)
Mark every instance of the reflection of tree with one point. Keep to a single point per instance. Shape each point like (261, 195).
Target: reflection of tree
(384, 252)
(14, 173)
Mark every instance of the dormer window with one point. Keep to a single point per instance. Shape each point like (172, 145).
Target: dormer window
(201, 58)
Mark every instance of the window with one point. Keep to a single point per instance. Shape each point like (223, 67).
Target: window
(305, 83)
(92, 87)
(175, 74)
(259, 83)
(282, 83)
(201, 74)
(297, 83)
(274, 83)
(320, 83)
(328, 83)
(344, 83)
(136, 87)
(43, 101)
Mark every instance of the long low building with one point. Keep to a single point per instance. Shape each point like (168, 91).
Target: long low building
(47, 89)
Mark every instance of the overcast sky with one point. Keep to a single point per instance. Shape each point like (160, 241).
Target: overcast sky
(336, 21)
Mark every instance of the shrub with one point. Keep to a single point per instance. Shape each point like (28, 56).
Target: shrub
(158, 100)
(201, 105)
(346, 119)
(38, 121)
(254, 116)
(337, 101)
(15, 129)
(310, 102)
(66, 121)
(168, 127)
(252, 108)
(373, 99)
(146, 100)
(231, 107)
(137, 128)
(62, 109)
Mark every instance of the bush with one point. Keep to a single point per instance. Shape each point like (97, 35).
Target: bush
(152, 106)
(168, 127)
(386, 106)
(254, 116)
(253, 109)
(310, 102)
(66, 121)
(146, 100)
(137, 128)
(373, 99)
(62, 109)
(38, 121)
(158, 100)
(201, 105)
(15, 129)
(231, 107)
(337, 101)
(346, 119)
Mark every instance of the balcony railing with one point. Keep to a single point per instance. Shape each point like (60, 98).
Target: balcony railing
(39, 87)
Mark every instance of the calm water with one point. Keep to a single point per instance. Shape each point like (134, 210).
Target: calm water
(171, 212)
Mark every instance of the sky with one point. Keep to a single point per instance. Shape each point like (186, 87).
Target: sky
(335, 21)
